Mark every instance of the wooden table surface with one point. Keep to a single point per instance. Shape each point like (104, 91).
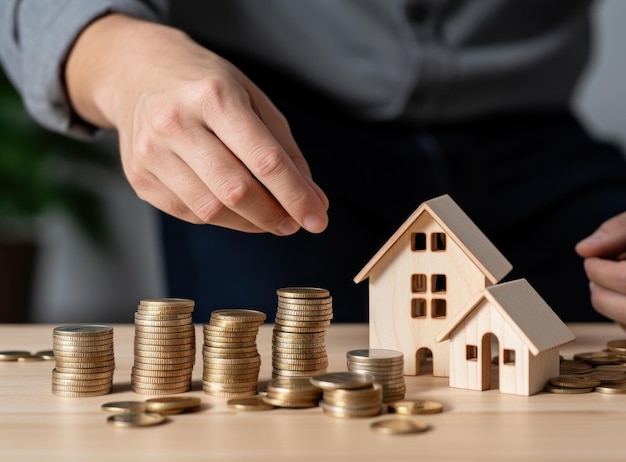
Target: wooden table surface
(35, 425)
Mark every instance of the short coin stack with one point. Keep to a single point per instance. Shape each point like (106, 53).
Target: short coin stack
(299, 338)
(386, 366)
(292, 392)
(350, 394)
(84, 360)
(165, 346)
(230, 355)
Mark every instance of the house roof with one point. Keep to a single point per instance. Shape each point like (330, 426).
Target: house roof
(460, 229)
(522, 307)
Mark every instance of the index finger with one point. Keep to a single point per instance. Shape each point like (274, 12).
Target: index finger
(243, 132)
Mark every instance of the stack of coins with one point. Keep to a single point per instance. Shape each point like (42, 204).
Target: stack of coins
(299, 338)
(350, 394)
(165, 346)
(230, 355)
(386, 366)
(84, 360)
(292, 392)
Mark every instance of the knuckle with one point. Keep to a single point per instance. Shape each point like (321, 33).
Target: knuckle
(208, 211)
(166, 120)
(234, 191)
(267, 162)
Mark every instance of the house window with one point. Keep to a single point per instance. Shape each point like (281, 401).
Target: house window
(471, 352)
(438, 283)
(438, 308)
(508, 357)
(418, 283)
(438, 242)
(418, 308)
(418, 242)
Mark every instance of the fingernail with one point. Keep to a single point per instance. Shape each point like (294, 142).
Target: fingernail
(593, 238)
(315, 223)
(288, 227)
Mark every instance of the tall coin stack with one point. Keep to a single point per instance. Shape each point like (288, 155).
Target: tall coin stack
(386, 366)
(84, 360)
(165, 346)
(299, 337)
(230, 355)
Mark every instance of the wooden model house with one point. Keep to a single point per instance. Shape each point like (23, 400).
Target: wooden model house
(529, 335)
(425, 274)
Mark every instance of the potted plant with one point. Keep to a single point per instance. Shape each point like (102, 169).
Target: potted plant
(40, 172)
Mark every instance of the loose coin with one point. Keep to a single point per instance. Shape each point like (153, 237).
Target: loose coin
(45, 354)
(124, 406)
(613, 389)
(13, 355)
(399, 426)
(250, 403)
(135, 419)
(172, 404)
(566, 390)
(575, 381)
(416, 406)
(345, 380)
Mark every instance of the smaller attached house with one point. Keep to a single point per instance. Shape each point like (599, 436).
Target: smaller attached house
(528, 332)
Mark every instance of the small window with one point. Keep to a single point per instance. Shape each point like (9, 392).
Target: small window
(418, 242)
(438, 283)
(508, 357)
(418, 283)
(438, 242)
(418, 308)
(471, 352)
(439, 308)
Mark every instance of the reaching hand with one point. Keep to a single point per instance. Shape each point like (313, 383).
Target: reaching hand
(605, 264)
(198, 139)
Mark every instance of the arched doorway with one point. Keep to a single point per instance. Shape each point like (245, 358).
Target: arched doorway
(424, 361)
(489, 362)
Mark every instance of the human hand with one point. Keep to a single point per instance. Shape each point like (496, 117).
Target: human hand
(198, 139)
(605, 264)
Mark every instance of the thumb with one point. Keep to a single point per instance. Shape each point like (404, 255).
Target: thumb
(609, 240)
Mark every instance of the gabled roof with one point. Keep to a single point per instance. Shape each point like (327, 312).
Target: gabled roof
(458, 226)
(530, 316)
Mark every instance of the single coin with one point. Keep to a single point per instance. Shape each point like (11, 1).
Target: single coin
(399, 426)
(172, 404)
(45, 354)
(617, 346)
(607, 376)
(575, 381)
(83, 329)
(135, 419)
(302, 292)
(29, 358)
(249, 403)
(613, 389)
(346, 380)
(416, 406)
(243, 315)
(566, 390)
(13, 355)
(124, 406)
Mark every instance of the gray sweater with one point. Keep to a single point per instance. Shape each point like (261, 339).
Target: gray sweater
(413, 60)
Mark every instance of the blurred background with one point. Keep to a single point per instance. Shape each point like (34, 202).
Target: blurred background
(77, 245)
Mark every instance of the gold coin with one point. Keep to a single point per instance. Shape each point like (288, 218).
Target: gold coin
(124, 406)
(613, 389)
(135, 419)
(13, 355)
(399, 426)
(617, 346)
(575, 381)
(302, 292)
(347, 412)
(416, 406)
(92, 330)
(566, 390)
(243, 315)
(249, 403)
(345, 380)
(29, 358)
(45, 354)
(172, 404)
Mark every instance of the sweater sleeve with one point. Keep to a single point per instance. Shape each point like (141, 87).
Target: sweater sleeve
(35, 39)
